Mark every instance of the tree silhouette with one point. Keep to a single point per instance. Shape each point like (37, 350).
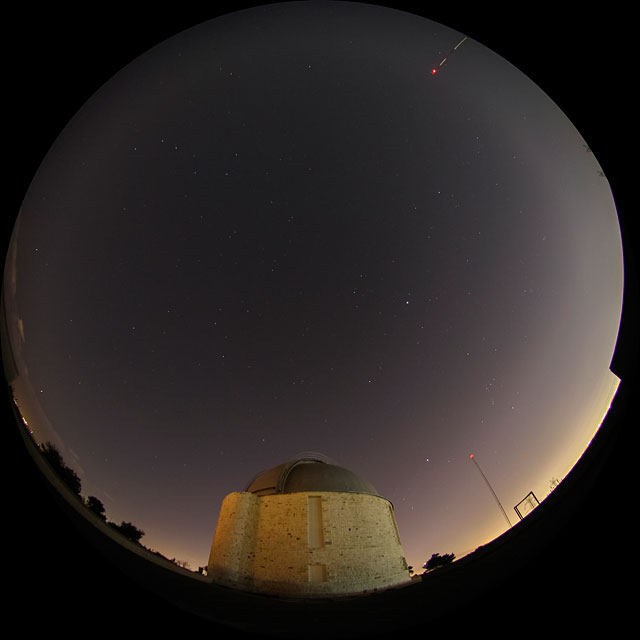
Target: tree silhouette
(437, 560)
(67, 475)
(95, 505)
(71, 479)
(128, 530)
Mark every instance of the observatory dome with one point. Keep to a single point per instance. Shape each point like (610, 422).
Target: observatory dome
(309, 473)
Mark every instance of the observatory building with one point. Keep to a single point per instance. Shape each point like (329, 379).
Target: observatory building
(307, 527)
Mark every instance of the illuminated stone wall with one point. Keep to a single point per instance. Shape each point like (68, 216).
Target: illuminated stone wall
(310, 543)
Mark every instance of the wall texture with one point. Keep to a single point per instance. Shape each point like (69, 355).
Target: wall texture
(307, 543)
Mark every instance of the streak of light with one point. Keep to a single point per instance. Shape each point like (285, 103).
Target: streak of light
(450, 52)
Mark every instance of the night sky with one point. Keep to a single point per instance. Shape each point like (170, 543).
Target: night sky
(279, 232)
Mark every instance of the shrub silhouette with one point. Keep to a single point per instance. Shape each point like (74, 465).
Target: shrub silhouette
(95, 505)
(437, 560)
(128, 530)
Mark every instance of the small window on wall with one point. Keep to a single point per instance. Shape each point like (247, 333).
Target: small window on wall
(317, 573)
(315, 530)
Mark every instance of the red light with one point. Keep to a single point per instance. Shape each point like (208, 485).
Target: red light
(471, 457)
(434, 71)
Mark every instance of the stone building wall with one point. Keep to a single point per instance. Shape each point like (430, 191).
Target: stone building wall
(230, 560)
(310, 543)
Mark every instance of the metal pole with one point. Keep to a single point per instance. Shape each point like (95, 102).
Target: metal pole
(472, 458)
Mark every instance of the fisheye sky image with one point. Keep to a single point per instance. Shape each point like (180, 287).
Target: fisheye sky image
(316, 226)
